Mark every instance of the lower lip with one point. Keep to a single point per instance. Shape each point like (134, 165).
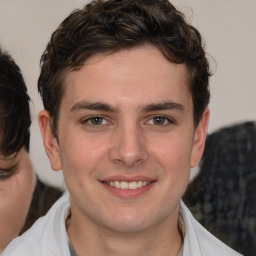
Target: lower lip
(128, 193)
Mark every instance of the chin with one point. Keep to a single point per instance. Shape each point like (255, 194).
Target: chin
(128, 227)
(129, 222)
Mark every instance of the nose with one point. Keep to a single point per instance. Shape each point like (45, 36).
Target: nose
(129, 146)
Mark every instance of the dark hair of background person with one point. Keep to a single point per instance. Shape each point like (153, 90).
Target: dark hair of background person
(110, 26)
(222, 197)
(15, 123)
(14, 108)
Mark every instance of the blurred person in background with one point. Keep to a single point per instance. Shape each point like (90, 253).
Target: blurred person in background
(23, 198)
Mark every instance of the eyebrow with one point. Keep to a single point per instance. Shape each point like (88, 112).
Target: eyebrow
(8, 157)
(162, 106)
(93, 106)
(99, 106)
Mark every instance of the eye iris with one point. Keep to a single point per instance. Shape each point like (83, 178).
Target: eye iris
(96, 120)
(158, 120)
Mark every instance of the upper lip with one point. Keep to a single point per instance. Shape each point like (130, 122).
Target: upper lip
(127, 178)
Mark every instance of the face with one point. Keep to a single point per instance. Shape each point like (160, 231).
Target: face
(126, 139)
(16, 188)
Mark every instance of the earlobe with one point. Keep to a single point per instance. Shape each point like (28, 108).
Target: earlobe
(199, 138)
(49, 140)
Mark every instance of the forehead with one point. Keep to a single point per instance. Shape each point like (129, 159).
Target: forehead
(128, 74)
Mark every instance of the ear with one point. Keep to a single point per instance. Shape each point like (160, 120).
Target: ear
(50, 142)
(199, 139)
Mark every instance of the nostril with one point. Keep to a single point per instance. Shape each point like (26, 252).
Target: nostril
(128, 162)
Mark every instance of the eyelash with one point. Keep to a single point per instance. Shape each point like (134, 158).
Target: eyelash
(7, 173)
(104, 121)
(89, 120)
(168, 119)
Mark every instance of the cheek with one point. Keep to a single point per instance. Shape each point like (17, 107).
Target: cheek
(82, 156)
(173, 152)
(173, 156)
(16, 194)
(9, 226)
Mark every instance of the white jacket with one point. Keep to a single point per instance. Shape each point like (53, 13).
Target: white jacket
(48, 236)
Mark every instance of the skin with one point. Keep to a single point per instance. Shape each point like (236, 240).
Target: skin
(141, 130)
(17, 183)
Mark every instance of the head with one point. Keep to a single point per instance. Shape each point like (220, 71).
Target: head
(16, 174)
(110, 26)
(125, 90)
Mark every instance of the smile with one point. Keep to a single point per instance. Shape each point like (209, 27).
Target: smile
(127, 185)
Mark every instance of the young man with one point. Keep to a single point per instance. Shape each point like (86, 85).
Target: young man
(125, 89)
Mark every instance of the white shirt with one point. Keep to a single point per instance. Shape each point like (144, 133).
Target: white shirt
(48, 236)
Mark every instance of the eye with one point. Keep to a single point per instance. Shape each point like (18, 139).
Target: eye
(160, 120)
(95, 120)
(7, 173)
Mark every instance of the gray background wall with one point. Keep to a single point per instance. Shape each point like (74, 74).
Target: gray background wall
(228, 27)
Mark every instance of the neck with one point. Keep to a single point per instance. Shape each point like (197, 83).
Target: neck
(163, 239)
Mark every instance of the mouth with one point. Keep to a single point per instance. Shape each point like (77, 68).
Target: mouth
(128, 187)
(132, 185)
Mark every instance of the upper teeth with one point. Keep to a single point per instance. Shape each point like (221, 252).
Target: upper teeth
(128, 185)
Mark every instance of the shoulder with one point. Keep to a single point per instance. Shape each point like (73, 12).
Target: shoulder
(21, 246)
(46, 237)
(198, 241)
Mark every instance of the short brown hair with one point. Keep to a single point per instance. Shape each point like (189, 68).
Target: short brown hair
(112, 25)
